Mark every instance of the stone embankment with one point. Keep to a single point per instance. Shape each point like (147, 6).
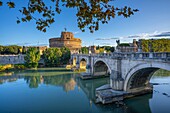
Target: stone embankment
(12, 59)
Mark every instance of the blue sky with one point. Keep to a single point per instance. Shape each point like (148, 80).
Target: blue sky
(152, 21)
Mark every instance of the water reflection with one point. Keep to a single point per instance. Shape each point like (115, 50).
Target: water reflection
(89, 86)
(33, 81)
(78, 96)
(66, 81)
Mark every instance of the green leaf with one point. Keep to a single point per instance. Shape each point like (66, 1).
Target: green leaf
(11, 4)
(44, 30)
(1, 3)
(28, 18)
(18, 21)
(23, 19)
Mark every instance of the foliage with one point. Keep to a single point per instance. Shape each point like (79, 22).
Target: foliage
(1, 49)
(52, 56)
(19, 66)
(107, 48)
(5, 67)
(162, 72)
(12, 67)
(158, 45)
(89, 14)
(124, 44)
(84, 50)
(32, 57)
(101, 50)
(65, 55)
(24, 50)
(12, 49)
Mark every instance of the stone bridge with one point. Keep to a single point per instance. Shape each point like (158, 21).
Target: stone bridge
(130, 72)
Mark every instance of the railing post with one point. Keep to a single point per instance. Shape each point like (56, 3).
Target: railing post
(150, 55)
(140, 55)
(132, 55)
(163, 55)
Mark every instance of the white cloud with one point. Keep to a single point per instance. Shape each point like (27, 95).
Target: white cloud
(114, 38)
(76, 32)
(155, 35)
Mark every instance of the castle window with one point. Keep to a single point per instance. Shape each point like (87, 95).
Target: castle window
(68, 38)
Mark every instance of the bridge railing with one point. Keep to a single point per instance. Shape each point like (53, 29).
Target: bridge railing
(132, 55)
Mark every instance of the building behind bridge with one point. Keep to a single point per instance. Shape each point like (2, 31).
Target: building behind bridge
(66, 39)
(127, 47)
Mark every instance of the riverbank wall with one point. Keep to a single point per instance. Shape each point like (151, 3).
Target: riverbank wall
(12, 59)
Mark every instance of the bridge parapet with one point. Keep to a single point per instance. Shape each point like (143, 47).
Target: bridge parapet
(130, 55)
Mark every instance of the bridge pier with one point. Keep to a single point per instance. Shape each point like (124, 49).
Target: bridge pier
(117, 84)
(116, 80)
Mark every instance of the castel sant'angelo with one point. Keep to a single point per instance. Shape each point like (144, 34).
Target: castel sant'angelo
(67, 39)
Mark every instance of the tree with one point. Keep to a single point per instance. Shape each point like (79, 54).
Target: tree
(24, 50)
(65, 55)
(1, 49)
(52, 56)
(32, 57)
(109, 48)
(101, 50)
(112, 49)
(89, 14)
(12, 49)
(84, 50)
(158, 45)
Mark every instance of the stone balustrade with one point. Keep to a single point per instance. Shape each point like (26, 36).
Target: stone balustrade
(129, 55)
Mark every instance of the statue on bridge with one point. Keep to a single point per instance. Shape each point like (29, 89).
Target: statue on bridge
(118, 42)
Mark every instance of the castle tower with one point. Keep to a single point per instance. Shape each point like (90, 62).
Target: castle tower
(66, 40)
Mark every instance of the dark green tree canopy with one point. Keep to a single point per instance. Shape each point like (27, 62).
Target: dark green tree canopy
(12, 49)
(89, 13)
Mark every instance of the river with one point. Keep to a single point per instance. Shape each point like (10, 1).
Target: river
(46, 91)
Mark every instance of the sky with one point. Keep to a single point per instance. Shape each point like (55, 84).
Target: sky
(152, 21)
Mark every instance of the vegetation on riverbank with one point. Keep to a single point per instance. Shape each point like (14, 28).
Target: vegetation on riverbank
(32, 58)
(12, 49)
(162, 72)
(39, 72)
(11, 67)
(158, 45)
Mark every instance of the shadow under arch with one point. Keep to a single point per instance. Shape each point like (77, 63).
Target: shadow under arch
(101, 68)
(139, 76)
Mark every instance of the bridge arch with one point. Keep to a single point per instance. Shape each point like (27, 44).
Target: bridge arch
(101, 68)
(83, 63)
(139, 76)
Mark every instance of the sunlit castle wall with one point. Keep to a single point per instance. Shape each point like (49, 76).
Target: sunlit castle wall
(67, 39)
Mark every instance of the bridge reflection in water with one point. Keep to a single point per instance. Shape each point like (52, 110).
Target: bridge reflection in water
(141, 102)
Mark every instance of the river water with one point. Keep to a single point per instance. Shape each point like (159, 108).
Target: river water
(46, 91)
